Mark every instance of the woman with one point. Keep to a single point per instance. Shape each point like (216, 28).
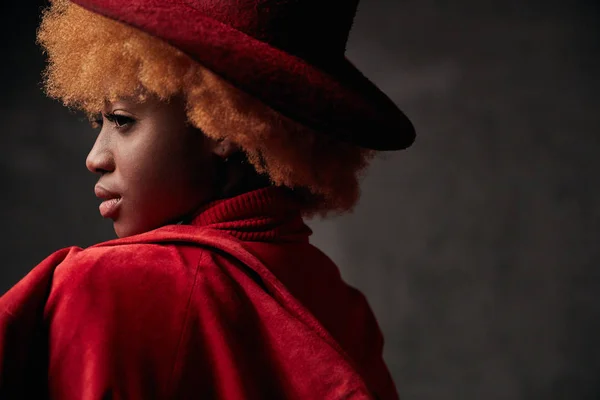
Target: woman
(221, 124)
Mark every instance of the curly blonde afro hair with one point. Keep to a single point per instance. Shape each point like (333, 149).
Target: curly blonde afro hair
(93, 59)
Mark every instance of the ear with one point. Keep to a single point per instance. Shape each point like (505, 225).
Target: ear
(224, 148)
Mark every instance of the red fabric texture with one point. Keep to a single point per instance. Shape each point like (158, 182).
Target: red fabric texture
(289, 54)
(236, 305)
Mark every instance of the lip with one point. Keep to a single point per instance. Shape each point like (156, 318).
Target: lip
(105, 194)
(110, 206)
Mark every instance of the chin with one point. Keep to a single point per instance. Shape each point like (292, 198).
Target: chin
(123, 230)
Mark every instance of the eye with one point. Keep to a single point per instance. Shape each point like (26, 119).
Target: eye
(120, 121)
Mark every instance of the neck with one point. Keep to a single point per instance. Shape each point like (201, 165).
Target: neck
(237, 176)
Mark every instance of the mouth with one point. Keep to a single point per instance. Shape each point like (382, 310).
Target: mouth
(109, 207)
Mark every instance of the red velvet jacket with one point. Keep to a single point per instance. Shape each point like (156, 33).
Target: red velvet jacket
(236, 305)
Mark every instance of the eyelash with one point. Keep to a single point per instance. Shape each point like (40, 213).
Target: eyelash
(120, 121)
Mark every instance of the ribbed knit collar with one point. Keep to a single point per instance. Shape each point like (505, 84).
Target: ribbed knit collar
(268, 214)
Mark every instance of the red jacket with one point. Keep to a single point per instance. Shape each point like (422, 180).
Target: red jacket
(236, 305)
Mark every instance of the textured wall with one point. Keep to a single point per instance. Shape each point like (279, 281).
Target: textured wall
(478, 248)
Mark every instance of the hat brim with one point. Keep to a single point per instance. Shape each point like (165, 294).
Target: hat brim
(340, 101)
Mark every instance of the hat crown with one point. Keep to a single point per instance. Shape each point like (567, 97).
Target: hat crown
(315, 30)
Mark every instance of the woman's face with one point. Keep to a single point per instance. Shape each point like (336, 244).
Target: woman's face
(154, 167)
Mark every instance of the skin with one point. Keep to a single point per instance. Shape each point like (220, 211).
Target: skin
(161, 167)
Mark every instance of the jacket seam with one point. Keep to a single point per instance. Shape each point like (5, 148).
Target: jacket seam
(171, 382)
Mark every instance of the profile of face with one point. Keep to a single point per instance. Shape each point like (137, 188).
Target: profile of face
(154, 166)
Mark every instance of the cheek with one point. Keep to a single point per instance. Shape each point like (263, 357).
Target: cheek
(169, 169)
(196, 161)
(199, 165)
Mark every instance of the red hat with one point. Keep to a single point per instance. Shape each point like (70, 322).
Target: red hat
(287, 53)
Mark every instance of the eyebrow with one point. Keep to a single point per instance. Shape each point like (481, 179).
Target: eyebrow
(123, 105)
(125, 101)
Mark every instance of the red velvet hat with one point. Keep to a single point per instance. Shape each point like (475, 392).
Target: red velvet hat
(287, 53)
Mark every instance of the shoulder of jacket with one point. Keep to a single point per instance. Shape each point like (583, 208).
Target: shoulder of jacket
(131, 263)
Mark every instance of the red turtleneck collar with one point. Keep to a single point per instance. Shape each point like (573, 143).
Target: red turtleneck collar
(267, 214)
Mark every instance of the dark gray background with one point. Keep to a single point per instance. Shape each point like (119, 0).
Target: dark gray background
(477, 248)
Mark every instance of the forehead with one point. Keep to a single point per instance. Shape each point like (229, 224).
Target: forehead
(137, 99)
(131, 103)
(149, 106)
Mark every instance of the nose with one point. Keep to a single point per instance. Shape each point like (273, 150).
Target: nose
(100, 159)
